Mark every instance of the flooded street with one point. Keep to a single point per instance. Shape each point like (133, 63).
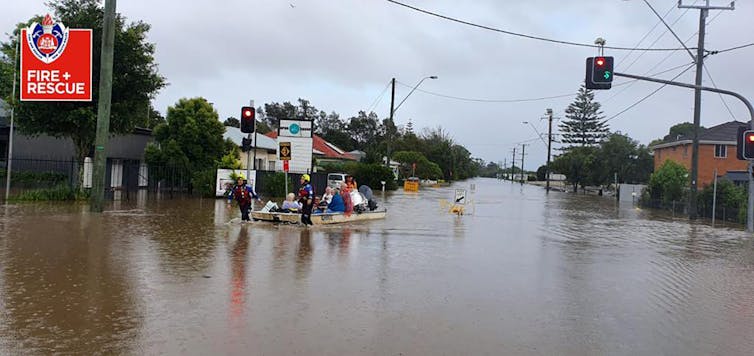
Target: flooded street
(526, 274)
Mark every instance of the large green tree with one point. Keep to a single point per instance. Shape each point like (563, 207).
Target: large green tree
(135, 80)
(621, 155)
(584, 124)
(191, 140)
(578, 165)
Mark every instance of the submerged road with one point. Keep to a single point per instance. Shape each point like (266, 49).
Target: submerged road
(526, 274)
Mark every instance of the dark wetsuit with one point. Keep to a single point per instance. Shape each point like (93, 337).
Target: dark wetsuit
(243, 195)
(306, 197)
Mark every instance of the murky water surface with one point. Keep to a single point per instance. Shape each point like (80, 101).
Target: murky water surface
(527, 274)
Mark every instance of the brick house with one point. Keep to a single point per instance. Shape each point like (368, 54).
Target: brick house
(717, 150)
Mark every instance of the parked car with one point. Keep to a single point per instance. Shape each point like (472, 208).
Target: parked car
(334, 179)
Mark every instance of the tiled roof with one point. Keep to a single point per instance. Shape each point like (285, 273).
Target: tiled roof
(327, 149)
(725, 132)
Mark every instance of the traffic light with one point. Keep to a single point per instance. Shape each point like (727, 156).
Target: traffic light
(745, 144)
(599, 73)
(245, 144)
(247, 119)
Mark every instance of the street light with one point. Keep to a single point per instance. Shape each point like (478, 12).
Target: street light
(393, 110)
(412, 91)
(535, 130)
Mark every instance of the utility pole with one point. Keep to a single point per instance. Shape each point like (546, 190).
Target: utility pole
(248, 156)
(103, 108)
(549, 149)
(523, 154)
(389, 128)
(513, 165)
(699, 59)
(9, 162)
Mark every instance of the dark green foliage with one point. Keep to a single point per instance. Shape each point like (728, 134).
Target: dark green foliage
(424, 168)
(669, 183)
(232, 122)
(370, 174)
(35, 178)
(274, 186)
(542, 173)
(578, 165)
(60, 192)
(191, 140)
(729, 197)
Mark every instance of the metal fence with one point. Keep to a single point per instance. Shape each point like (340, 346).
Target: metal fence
(124, 179)
(704, 210)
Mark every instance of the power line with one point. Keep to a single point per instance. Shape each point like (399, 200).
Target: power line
(720, 94)
(730, 49)
(623, 58)
(670, 28)
(488, 100)
(379, 98)
(647, 97)
(452, 19)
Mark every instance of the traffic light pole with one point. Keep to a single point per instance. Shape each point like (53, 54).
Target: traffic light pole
(549, 148)
(750, 205)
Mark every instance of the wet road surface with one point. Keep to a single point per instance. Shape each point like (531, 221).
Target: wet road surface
(526, 274)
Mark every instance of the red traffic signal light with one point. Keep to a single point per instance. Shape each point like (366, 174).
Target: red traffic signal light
(599, 72)
(247, 119)
(745, 144)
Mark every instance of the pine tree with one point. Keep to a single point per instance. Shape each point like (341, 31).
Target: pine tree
(584, 125)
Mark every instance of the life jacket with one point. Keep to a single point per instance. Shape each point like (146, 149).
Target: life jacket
(241, 194)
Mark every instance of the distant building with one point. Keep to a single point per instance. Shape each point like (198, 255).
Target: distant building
(717, 150)
(324, 152)
(266, 149)
(358, 155)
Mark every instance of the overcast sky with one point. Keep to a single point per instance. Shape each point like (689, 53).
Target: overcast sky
(341, 54)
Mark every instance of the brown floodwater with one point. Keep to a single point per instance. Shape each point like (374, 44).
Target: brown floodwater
(527, 274)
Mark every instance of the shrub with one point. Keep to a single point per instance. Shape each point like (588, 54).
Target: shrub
(668, 183)
(274, 186)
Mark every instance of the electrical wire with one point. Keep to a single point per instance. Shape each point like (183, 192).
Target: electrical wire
(624, 58)
(725, 103)
(511, 33)
(730, 49)
(379, 98)
(647, 97)
(488, 100)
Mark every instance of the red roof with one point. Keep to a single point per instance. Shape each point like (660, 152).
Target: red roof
(319, 143)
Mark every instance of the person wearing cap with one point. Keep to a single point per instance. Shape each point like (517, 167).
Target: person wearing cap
(306, 198)
(244, 195)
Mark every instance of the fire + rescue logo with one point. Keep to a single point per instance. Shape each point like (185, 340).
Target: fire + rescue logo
(47, 40)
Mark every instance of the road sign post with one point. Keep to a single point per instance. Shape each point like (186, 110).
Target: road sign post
(285, 156)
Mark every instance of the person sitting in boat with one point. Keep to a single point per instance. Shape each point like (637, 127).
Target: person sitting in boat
(351, 183)
(345, 193)
(336, 204)
(290, 205)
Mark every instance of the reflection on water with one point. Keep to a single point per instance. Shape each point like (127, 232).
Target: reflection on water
(526, 273)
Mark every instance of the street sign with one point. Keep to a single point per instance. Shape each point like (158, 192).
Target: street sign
(56, 62)
(285, 151)
(460, 197)
(286, 166)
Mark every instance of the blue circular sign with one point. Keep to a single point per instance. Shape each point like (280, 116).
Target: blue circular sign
(294, 128)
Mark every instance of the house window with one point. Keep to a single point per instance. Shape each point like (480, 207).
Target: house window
(721, 151)
(271, 165)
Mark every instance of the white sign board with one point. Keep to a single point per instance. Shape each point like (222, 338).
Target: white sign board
(224, 182)
(299, 134)
(295, 128)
